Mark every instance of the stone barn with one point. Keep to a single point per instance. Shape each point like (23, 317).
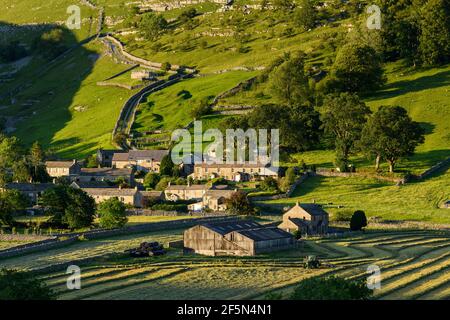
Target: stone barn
(239, 238)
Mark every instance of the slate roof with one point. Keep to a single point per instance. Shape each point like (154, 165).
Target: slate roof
(152, 194)
(219, 193)
(90, 184)
(312, 209)
(186, 187)
(134, 155)
(60, 164)
(226, 227)
(29, 187)
(99, 172)
(263, 234)
(113, 192)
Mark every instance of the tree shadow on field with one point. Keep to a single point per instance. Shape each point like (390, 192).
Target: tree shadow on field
(40, 95)
(407, 86)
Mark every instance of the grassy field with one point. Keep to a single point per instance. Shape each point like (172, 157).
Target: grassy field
(170, 108)
(413, 266)
(417, 201)
(48, 11)
(88, 249)
(68, 104)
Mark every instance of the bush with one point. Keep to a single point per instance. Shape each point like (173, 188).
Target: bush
(170, 207)
(269, 184)
(15, 285)
(343, 216)
(151, 180)
(331, 288)
(358, 221)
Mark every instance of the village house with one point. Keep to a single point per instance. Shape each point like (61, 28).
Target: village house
(214, 200)
(185, 192)
(105, 174)
(309, 219)
(142, 160)
(132, 197)
(105, 157)
(57, 169)
(31, 190)
(239, 238)
(233, 172)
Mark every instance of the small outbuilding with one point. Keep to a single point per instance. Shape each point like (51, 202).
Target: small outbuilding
(238, 238)
(309, 219)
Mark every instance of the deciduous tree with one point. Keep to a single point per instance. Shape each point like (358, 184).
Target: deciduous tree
(112, 213)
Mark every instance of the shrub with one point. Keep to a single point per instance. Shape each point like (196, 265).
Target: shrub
(16, 285)
(343, 216)
(358, 221)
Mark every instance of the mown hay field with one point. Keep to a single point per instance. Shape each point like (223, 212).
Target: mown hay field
(414, 265)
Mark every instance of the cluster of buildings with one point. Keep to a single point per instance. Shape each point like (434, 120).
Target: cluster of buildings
(249, 238)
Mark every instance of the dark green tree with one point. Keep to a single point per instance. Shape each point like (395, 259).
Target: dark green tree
(112, 213)
(69, 207)
(151, 179)
(19, 285)
(152, 26)
(358, 221)
(36, 160)
(435, 32)
(289, 82)
(357, 68)
(344, 118)
(238, 203)
(390, 134)
(80, 210)
(167, 165)
(11, 201)
(305, 14)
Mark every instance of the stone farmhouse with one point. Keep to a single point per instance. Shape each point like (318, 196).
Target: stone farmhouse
(309, 219)
(214, 200)
(57, 169)
(131, 197)
(31, 190)
(238, 238)
(104, 157)
(143, 160)
(233, 172)
(185, 192)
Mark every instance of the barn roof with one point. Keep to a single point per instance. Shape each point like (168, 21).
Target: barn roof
(226, 227)
(263, 234)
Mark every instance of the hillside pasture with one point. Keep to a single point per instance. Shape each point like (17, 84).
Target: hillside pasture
(417, 201)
